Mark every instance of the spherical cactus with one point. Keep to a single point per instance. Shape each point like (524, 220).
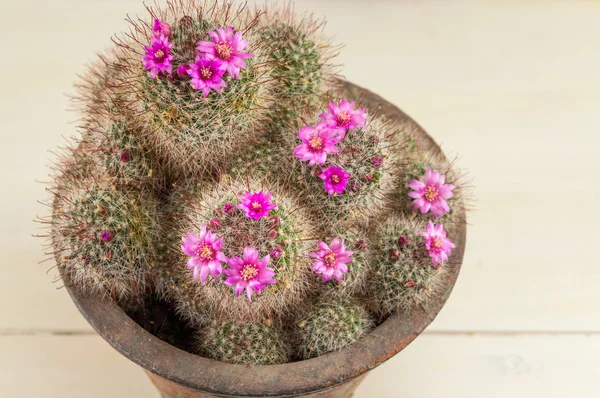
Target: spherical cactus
(301, 58)
(103, 236)
(279, 232)
(330, 326)
(403, 272)
(253, 343)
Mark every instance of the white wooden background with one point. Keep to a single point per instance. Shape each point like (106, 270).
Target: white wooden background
(512, 87)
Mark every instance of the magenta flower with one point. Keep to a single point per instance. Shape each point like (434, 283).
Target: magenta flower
(335, 179)
(431, 193)
(158, 57)
(249, 273)
(206, 253)
(330, 261)
(161, 29)
(256, 205)
(226, 46)
(317, 143)
(206, 75)
(344, 115)
(437, 243)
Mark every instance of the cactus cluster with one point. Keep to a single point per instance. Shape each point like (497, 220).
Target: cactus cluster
(221, 168)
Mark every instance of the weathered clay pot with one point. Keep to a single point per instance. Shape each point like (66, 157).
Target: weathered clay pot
(179, 374)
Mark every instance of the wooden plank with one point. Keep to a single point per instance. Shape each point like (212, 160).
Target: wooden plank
(510, 86)
(68, 366)
(434, 365)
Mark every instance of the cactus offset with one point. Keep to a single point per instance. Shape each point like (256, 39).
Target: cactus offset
(330, 326)
(252, 343)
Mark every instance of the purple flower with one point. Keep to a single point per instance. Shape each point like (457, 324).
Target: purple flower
(437, 243)
(107, 235)
(317, 143)
(256, 205)
(377, 161)
(206, 253)
(330, 261)
(249, 273)
(226, 46)
(335, 179)
(158, 57)
(344, 115)
(431, 193)
(161, 29)
(207, 75)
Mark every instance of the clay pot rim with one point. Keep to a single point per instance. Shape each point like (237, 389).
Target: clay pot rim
(289, 379)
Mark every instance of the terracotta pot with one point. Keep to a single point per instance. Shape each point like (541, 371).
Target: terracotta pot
(179, 374)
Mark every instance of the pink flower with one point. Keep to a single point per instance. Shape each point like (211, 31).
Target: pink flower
(226, 46)
(437, 243)
(161, 29)
(335, 179)
(431, 194)
(330, 261)
(317, 143)
(256, 205)
(158, 57)
(249, 273)
(344, 115)
(207, 75)
(206, 253)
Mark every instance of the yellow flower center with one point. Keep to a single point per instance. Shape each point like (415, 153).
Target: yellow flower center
(224, 51)
(431, 193)
(316, 143)
(343, 118)
(335, 179)
(437, 243)
(249, 272)
(206, 73)
(256, 206)
(329, 259)
(160, 54)
(205, 252)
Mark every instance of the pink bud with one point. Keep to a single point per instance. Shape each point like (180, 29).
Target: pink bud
(125, 157)
(276, 252)
(361, 245)
(215, 223)
(394, 254)
(272, 234)
(368, 178)
(228, 208)
(275, 221)
(402, 241)
(377, 161)
(182, 71)
(107, 236)
(410, 284)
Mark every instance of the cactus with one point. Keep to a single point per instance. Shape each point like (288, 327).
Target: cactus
(221, 169)
(330, 326)
(282, 235)
(103, 236)
(255, 343)
(403, 273)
